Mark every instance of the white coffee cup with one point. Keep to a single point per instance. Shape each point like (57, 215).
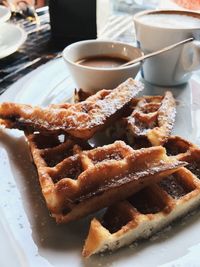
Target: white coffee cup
(153, 33)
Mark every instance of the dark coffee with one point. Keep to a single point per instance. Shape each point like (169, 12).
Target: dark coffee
(102, 61)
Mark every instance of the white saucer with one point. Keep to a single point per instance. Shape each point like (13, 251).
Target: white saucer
(4, 14)
(11, 38)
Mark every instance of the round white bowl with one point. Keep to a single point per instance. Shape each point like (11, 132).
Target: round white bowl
(92, 79)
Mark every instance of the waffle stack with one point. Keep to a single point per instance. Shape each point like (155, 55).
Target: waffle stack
(145, 177)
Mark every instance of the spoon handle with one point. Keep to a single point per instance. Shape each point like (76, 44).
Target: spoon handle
(167, 48)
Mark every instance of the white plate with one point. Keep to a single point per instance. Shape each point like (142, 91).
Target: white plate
(32, 237)
(49, 82)
(11, 38)
(4, 14)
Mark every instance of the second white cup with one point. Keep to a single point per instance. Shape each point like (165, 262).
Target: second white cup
(156, 29)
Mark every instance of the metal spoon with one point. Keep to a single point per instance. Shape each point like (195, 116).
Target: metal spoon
(167, 48)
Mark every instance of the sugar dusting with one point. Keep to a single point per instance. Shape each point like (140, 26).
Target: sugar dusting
(153, 114)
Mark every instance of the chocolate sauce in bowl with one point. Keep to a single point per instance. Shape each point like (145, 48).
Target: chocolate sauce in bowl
(103, 61)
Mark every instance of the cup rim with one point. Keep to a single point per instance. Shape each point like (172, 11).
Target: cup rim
(103, 42)
(136, 17)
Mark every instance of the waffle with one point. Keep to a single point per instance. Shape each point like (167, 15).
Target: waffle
(152, 208)
(76, 182)
(150, 122)
(80, 120)
(153, 118)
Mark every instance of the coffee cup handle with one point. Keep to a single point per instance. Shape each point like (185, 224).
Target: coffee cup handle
(190, 56)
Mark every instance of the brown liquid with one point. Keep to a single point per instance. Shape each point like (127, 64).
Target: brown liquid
(102, 61)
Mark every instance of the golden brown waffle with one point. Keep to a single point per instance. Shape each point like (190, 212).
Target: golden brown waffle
(151, 209)
(76, 182)
(80, 120)
(152, 118)
(150, 122)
